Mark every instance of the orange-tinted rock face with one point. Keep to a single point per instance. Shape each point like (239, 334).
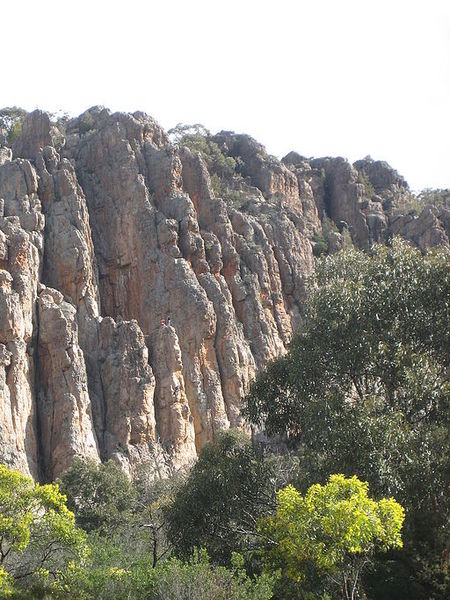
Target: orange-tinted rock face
(136, 303)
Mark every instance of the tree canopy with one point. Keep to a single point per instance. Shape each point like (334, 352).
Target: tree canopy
(369, 370)
(198, 139)
(218, 505)
(336, 526)
(364, 388)
(101, 495)
(11, 119)
(38, 535)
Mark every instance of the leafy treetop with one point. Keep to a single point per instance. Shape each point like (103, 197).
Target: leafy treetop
(198, 139)
(37, 530)
(336, 526)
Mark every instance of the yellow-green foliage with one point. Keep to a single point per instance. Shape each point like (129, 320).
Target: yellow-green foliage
(35, 526)
(25, 506)
(6, 588)
(172, 579)
(330, 525)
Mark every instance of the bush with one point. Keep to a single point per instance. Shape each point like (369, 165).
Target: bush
(196, 138)
(337, 527)
(364, 180)
(216, 508)
(38, 536)
(101, 495)
(416, 203)
(173, 579)
(11, 120)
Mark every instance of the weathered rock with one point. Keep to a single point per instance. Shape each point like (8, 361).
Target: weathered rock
(10, 451)
(265, 172)
(136, 207)
(345, 198)
(311, 189)
(127, 431)
(165, 297)
(390, 187)
(69, 261)
(21, 243)
(428, 229)
(65, 419)
(173, 416)
(34, 135)
(5, 155)
(252, 259)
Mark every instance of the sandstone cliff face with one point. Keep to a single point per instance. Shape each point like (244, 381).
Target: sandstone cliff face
(137, 303)
(63, 405)
(21, 240)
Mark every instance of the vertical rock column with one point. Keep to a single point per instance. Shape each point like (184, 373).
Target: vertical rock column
(120, 381)
(21, 240)
(175, 422)
(64, 408)
(128, 434)
(126, 178)
(69, 261)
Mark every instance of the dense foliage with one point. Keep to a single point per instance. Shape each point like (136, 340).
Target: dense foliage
(198, 139)
(38, 536)
(219, 503)
(11, 119)
(364, 391)
(336, 526)
(101, 495)
(437, 198)
(43, 551)
(224, 170)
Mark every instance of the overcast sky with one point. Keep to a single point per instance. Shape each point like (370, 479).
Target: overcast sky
(322, 77)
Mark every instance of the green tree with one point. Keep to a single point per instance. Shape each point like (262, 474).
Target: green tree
(6, 584)
(374, 348)
(11, 120)
(435, 197)
(198, 139)
(173, 579)
(364, 388)
(336, 526)
(218, 505)
(154, 493)
(38, 536)
(100, 494)
(373, 322)
(198, 580)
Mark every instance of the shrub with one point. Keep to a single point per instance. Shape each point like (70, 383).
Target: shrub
(11, 120)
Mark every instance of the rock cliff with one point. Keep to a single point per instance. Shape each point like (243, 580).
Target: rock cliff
(142, 286)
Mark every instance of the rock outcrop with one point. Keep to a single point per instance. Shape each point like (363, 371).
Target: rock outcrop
(64, 411)
(427, 229)
(21, 250)
(142, 288)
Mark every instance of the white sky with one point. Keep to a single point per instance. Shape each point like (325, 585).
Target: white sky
(322, 77)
